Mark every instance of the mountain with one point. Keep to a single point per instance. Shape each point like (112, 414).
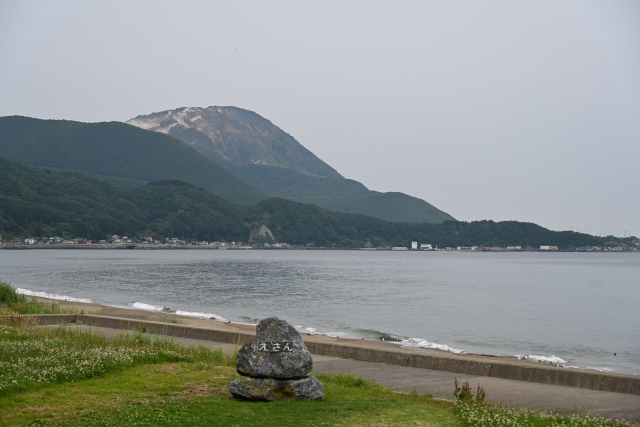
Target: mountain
(236, 136)
(69, 204)
(120, 153)
(272, 161)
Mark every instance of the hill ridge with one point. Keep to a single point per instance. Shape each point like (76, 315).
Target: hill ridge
(272, 161)
(119, 151)
(69, 204)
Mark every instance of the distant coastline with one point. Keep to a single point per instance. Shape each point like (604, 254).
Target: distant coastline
(101, 246)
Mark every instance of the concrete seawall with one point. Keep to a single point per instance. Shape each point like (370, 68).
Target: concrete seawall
(379, 352)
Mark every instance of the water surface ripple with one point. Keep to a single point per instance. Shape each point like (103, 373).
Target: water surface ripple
(579, 307)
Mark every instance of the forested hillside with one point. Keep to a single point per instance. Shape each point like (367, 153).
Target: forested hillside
(68, 204)
(117, 152)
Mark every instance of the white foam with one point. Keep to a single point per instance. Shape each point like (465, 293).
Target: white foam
(314, 331)
(146, 307)
(554, 360)
(199, 315)
(426, 344)
(591, 368)
(51, 296)
(560, 362)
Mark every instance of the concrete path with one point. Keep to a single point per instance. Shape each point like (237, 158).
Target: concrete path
(440, 384)
(517, 393)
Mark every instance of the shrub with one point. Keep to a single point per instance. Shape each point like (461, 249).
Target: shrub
(464, 394)
(12, 303)
(9, 296)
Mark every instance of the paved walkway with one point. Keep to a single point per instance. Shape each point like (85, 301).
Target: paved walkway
(517, 393)
(440, 384)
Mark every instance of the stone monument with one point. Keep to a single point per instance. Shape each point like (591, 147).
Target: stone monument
(277, 362)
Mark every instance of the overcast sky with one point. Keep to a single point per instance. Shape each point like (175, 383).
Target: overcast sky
(525, 111)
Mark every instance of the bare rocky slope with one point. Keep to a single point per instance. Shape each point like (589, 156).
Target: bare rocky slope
(273, 162)
(236, 136)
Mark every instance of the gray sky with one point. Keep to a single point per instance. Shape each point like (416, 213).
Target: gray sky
(488, 110)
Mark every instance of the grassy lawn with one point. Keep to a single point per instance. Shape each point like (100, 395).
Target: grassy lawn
(196, 394)
(173, 385)
(58, 376)
(134, 380)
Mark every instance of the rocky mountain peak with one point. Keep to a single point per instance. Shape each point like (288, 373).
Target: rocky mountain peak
(236, 136)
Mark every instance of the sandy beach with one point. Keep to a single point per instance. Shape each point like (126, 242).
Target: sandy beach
(133, 313)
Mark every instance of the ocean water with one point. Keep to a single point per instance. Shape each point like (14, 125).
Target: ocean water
(569, 309)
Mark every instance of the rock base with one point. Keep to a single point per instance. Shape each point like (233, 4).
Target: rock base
(269, 389)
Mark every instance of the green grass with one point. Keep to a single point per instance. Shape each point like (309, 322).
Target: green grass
(197, 394)
(62, 376)
(487, 415)
(68, 377)
(31, 357)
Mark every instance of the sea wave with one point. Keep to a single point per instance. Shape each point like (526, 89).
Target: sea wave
(380, 336)
(591, 368)
(149, 307)
(200, 315)
(314, 331)
(51, 296)
(414, 343)
(554, 360)
(195, 314)
(559, 362)
(429, 345)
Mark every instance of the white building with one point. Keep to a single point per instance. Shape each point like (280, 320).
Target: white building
(414, 245)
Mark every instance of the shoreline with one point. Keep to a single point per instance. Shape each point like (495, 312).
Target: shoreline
(140, 314)
(348, 348)
(133, 246)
